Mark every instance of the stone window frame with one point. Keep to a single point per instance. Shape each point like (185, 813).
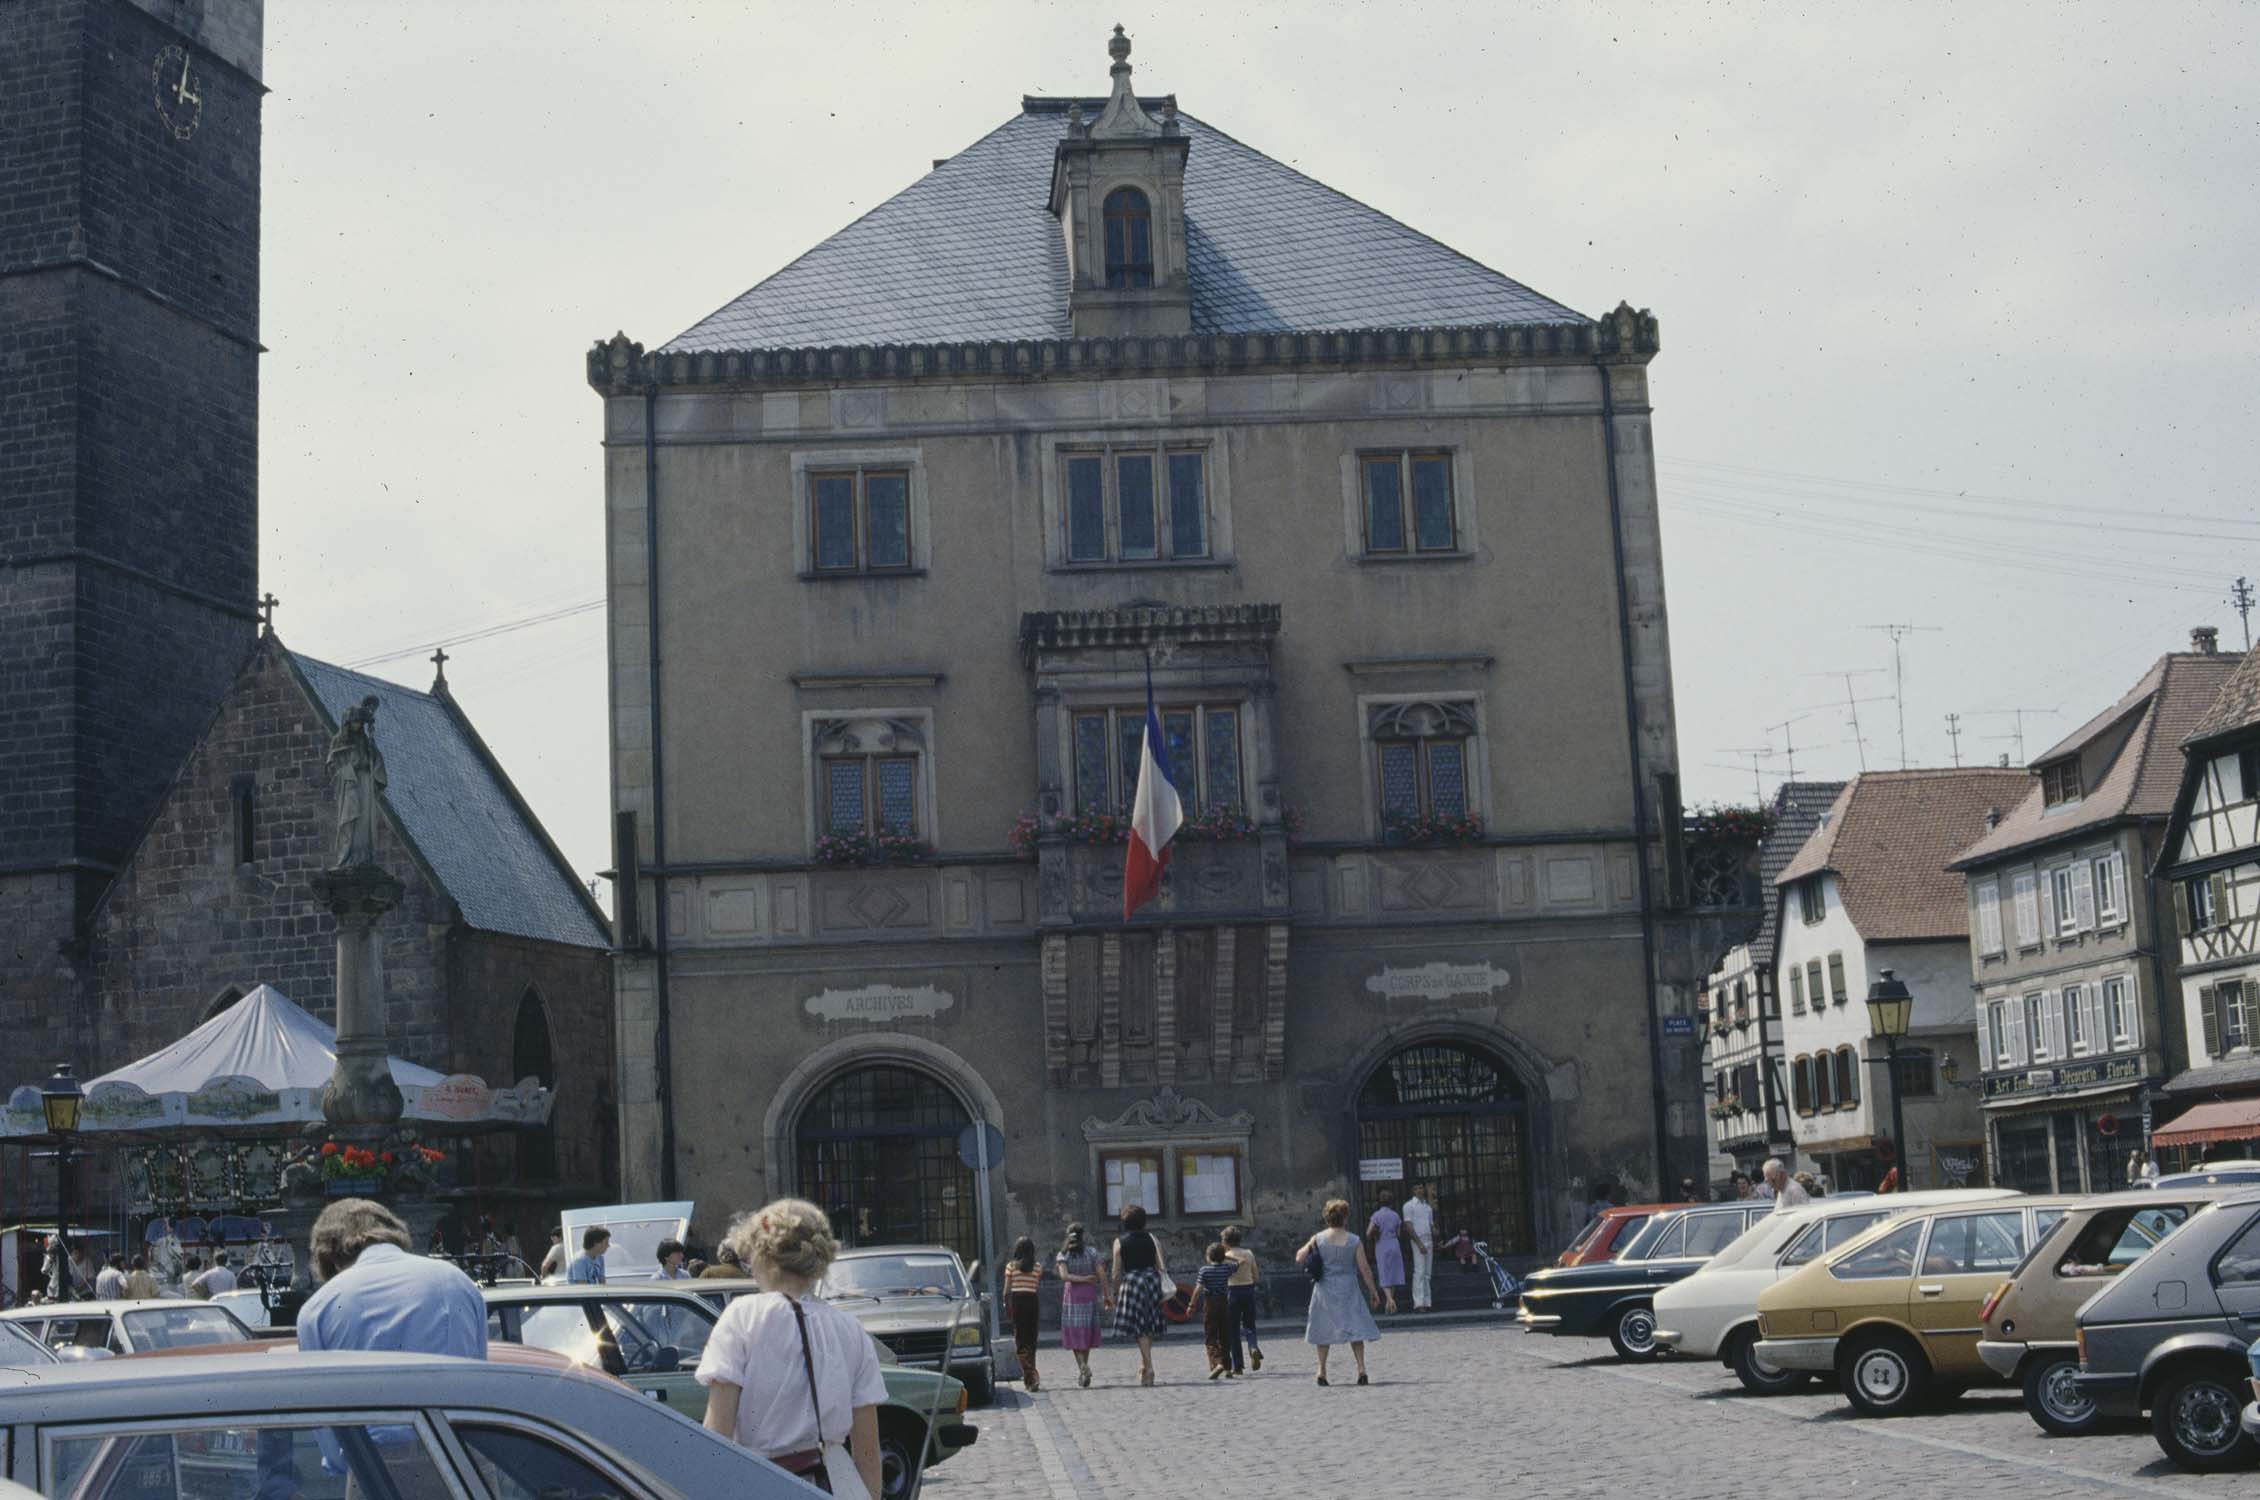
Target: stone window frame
(1479, 749)
(806, 463)
(1052, 450)
(1084, 704)
(1466, 527)
(817, 726)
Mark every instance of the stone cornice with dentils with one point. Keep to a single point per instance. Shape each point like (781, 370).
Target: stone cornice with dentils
(621, 366)
(1200, 624)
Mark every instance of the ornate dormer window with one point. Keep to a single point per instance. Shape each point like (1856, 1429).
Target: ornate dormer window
(1118, 190)
(1129, 239)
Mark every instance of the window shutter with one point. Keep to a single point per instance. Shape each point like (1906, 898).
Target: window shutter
(2098, 1019)
(2210, 1015)
(2047, 904)
(2131, 987)
(1796, 989)
(2219, 880)
(2181, 909)
(2052, 1021)
(2016, 1013)
(2122, 898)
(2083, 895)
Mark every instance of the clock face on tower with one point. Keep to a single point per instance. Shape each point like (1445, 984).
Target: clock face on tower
(177, 84)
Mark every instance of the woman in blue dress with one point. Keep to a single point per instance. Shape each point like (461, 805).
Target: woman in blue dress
(1342, 1299)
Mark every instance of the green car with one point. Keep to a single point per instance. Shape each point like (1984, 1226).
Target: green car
(651, 1334)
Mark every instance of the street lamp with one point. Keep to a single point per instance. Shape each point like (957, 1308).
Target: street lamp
(60, 1099)
(1891, 1008)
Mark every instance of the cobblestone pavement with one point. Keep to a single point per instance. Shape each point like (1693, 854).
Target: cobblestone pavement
(1484, 1410)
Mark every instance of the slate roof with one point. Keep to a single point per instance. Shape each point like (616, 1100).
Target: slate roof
(460, 811)
(2144, 776)
(969, 252)
(1797, 809)
(1887, 840)
(2236, 707)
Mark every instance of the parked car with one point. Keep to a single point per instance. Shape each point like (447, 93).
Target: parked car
(128, 1327)
(234, 1423)
(2211, 1174)
(651, 1335)
(917, 1299)
(637, 1230)
(2168, 1337)
(2029, 1321)
(1714, 1312)
(1894, 1313)
(1615, 1299)
(1608, 1232)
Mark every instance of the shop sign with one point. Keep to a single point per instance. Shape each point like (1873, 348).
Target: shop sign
(2077, 1075)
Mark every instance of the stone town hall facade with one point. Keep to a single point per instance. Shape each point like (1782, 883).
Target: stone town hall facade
(912, 519)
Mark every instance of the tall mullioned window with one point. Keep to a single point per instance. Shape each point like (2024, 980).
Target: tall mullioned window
(859, 520)
(1202, 740)
(1423, 762)
(1136, 504)
(1409, 505)
(869, 776)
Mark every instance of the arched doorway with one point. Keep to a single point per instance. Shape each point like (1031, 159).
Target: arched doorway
(530, 1057)
(876, 1148)
(1458, 1119)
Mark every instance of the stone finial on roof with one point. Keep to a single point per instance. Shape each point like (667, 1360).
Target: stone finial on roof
(1123, 115)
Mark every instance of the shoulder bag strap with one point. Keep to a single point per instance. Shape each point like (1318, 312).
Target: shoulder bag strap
(808, 1368)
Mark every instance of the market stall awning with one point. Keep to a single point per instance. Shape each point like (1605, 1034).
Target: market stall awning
(264, 1061)
(2216, 1120)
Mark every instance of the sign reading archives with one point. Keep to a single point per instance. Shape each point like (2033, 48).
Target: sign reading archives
(880, 1002)
(1438, 981)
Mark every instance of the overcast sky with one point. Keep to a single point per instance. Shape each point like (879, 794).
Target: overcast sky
(1957, 306)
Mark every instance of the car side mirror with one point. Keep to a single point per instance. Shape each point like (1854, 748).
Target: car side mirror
(973, 1272)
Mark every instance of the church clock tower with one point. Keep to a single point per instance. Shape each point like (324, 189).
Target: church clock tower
(129, 404)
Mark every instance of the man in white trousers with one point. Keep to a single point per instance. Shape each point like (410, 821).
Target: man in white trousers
(1420, 1222)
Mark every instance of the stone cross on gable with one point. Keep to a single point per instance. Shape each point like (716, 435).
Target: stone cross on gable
(439, 667)
(268, 604)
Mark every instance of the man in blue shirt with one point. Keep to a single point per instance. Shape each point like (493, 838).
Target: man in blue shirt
(375, 1295)
(588, 1266)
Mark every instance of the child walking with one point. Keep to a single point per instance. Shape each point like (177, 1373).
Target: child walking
(1084, 1275)
(1212, 1295)
(1241, 1299)
(1023, 1282)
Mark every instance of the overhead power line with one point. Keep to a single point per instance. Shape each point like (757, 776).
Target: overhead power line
(483, 633)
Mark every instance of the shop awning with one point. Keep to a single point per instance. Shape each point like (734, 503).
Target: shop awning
(2218, 1120)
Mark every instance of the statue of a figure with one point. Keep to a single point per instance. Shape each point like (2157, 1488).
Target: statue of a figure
(358, 767)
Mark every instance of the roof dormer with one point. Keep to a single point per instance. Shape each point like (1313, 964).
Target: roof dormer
(1118, 191)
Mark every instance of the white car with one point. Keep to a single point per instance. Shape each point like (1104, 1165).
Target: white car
(1714, 1313)
(127, 1327)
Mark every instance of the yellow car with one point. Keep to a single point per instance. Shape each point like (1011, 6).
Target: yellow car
(1894, 1314)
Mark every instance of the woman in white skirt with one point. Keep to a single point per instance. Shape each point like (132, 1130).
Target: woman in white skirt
(790, 1376)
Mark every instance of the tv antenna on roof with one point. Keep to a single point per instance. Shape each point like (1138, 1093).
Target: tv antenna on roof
(1954, 733)
(1788, 741)
(1852, 705)
(2240, 600)
(1757, 786)
(1899, 633)
(2017, 733)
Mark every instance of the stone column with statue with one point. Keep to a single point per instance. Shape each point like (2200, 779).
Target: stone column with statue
(358, 891)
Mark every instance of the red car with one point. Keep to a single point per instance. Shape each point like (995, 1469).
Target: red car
(1609, 1233)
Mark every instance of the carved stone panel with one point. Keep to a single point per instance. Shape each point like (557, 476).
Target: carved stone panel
(1433, 881)
(1195, 990)
(874, 901)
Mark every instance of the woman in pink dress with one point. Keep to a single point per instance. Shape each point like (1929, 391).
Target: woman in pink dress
(1084, 1276)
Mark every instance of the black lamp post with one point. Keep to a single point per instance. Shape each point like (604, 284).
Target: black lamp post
(1891, 1009)
(60, 1099)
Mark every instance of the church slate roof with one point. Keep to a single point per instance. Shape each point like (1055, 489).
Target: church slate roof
(1797, 809)
(969, 252)
(462, 815)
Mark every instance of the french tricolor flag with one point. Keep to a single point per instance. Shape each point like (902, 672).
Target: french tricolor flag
(1155, 815)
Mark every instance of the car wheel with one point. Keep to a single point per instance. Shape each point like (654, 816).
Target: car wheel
(1632, 1332)
(1758, 1377)
(980, 1385)
(2193, 1414)
(898, 1459)
(1884, 1376)
(2053, 1397)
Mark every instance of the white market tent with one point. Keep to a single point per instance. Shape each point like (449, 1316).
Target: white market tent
(260, 1063)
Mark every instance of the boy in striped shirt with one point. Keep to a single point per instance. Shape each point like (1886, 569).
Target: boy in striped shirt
(1210, 1295)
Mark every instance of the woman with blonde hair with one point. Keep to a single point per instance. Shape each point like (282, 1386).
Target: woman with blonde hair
(1336, 1261)
(788, 1375)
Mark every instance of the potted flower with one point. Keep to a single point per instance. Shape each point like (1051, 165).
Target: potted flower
(1432, 830)
(888, 846)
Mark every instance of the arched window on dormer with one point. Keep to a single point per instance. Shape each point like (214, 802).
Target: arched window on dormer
(1129, 239)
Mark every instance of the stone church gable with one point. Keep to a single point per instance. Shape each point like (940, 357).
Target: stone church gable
(186, 921)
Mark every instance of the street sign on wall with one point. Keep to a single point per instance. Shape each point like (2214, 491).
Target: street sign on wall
(1679, 1026)
(1381, 1169)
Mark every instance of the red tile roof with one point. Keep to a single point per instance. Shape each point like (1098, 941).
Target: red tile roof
(2237, 706)
(2144, 776)
(1887, 841)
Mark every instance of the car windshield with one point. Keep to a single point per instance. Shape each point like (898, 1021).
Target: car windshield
(20, 1348)
(894, 1276)
(183, 1327)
